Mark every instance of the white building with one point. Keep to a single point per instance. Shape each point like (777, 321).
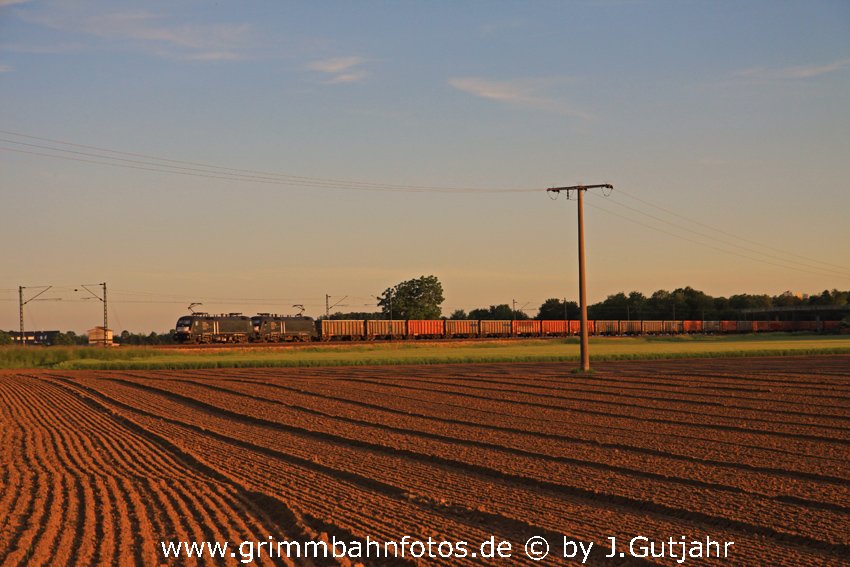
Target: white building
(100, 336)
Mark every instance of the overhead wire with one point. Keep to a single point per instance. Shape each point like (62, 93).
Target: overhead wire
(198, 169)
(698, 242)
(85, 153)
(691, 231)
(716, 229)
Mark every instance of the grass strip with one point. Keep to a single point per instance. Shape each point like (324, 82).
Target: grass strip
(423, 352)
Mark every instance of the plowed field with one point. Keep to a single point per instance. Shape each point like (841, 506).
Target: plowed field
(101, 467)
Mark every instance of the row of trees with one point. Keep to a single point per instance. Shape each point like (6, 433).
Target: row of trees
(689, 303)
(420, 298)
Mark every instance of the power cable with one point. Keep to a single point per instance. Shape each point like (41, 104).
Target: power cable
(680, 237)
(715, 229)
(688, 230)
(163, 165)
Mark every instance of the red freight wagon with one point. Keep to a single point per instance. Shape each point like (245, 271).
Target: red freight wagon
(805, 325)
(711, 326)
(426, 328)
(526, 328)
(745, 326)
(672, 327)
(653, 327)
(461, 328)
(630, 327)
(554, 328)
(692, 326)
(728, 326)
(575, 327)
(608, 327)
(342, 329)
(495, 328)
(382, 328)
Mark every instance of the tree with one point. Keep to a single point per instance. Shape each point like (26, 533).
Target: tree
(418, 298)
(556, 309)
(695, 304)
(637, 305)
(458, 314)
(353, 315)
(614, 307)
(501, 312)
(787, 299)
(833, 297)
(65, 339)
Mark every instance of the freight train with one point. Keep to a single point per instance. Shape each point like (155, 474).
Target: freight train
(268, 327)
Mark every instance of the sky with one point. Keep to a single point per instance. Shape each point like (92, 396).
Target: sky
(251, 156)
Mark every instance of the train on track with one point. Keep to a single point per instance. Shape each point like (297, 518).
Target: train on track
(268, 327)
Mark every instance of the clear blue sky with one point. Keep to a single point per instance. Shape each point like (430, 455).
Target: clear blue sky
(724, 127)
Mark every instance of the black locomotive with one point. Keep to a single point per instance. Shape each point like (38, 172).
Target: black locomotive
(238, 328)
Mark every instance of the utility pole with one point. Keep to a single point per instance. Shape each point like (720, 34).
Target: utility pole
(105, 318)
(328, 307)
(22, 337)
(582, 292)
(513, 309)
(105, 307)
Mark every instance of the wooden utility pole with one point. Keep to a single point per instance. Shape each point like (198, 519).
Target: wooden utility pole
(582, 291)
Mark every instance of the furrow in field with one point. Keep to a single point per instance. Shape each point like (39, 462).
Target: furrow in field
(400, 473)
(121, 536)
(775, 433)
(179, 501)
(811, 445)
(748, 512)
(806, 492)
(32, 525)
(672, 399)
(692, 382)
(103, 511)
(277, 473)
(762, 395)
(15, 477)
(101, 442)
(52, 418)
(699, 446)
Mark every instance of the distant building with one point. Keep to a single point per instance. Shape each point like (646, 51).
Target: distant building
(100, 336)
(35, 337)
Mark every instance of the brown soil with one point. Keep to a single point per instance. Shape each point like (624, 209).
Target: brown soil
(99, 467)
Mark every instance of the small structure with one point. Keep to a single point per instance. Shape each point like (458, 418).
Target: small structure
(100, 336)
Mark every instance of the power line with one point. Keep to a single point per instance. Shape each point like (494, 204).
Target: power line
(736, 237)
(197, 169)
(691, 231)
(724, 250)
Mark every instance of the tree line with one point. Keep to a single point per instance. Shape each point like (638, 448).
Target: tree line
(421, 298)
